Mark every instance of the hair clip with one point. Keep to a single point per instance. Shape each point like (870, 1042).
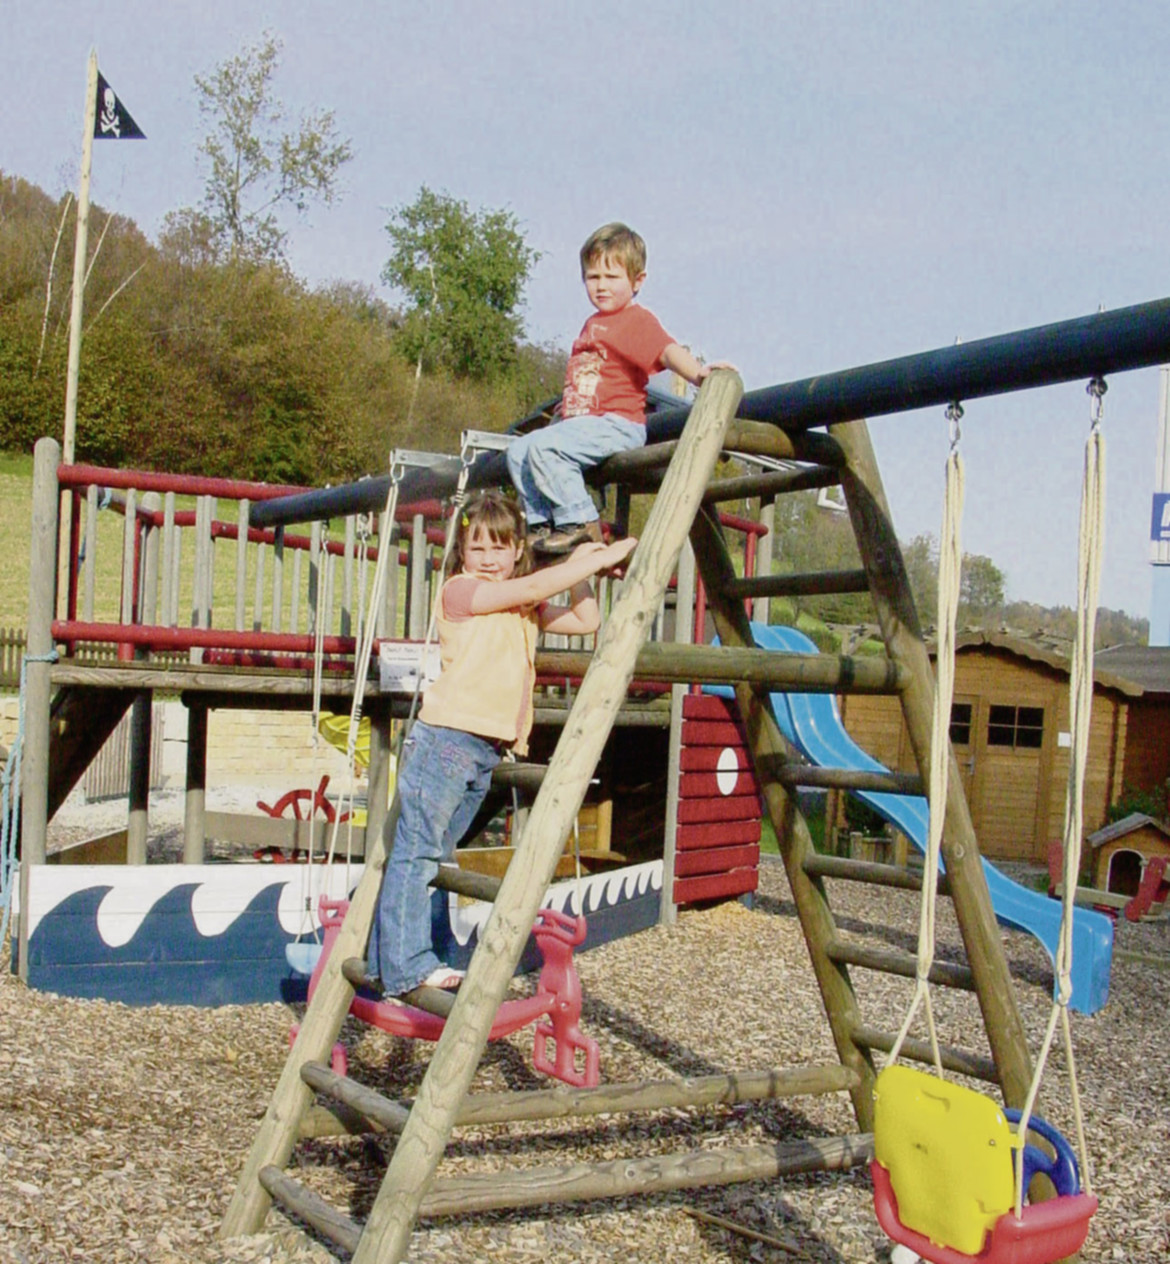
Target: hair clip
(465, 521)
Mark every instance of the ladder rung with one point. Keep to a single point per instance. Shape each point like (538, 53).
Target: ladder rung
(808, 584)
(353, 971)
(381, 1111)
(437, 1001)
(819, 866)
(433, 1000)
(310, 1207)
(522, 776)
(961, 1061)
(890, 961)
(773, 483)
(477, 886)
(849, 779)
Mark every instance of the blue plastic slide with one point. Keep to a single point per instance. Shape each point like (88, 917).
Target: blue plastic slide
(812, 723)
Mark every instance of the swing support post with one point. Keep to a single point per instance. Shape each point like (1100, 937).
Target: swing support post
(890, 589)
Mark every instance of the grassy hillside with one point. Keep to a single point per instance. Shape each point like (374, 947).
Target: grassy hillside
(15, 513)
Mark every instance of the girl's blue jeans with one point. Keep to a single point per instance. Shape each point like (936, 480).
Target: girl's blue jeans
(547, 465)
(443, 777)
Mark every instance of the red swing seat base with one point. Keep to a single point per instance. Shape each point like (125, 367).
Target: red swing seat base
(1043, 1233)
(555, 1007)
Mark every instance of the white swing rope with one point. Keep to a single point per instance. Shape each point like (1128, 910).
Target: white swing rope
(366, 634)
(950, 560)
(1090, 547)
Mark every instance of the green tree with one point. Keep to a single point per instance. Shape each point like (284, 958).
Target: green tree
(921, 559)
(255, 169)
(981, 587)
(463, 273)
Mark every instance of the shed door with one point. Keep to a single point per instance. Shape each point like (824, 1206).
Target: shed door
(964, 727)
(1008, 738)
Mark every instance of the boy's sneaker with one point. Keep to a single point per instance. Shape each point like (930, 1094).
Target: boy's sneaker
(565, 539)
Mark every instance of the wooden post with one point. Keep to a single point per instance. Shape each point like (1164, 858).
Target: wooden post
(684, 619)
(378, 771)
(387, 1233)
(242, 563)
(195, 805)
(890, 588)
(42, 601)
(417, 609)
(141, 715)
(170, 564)
(764, 554)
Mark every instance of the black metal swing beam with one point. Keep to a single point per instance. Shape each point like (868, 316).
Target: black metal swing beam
(1091, 346)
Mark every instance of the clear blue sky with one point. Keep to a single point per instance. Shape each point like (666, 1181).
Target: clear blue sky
(821, 185)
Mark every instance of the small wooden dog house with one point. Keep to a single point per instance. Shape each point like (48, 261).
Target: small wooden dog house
(1122, 850)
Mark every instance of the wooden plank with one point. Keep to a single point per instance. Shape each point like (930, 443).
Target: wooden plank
(736, 807)
(710, 785)
(717, 834)
(716, 860)
(716, 886)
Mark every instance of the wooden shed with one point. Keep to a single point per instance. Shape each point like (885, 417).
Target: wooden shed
(1010, 730)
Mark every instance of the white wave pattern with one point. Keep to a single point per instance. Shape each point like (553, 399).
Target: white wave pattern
(222, 892)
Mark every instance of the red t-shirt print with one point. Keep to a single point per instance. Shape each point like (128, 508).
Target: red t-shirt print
(611, 362)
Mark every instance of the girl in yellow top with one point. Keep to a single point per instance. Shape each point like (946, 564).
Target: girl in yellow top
(491, 609)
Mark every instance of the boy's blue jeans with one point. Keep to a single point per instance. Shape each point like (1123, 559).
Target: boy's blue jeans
(443, 778)
(546, 465)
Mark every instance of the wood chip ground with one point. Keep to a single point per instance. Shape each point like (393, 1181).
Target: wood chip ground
(122, 1130)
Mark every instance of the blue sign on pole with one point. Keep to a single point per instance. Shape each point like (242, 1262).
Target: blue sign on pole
(1160, 521)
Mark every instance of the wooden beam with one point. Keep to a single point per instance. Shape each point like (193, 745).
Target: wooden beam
(813, 583)
(389, 1116)
(849, 779)
(890, 961)
(961, 1061)
(625, 1178)
(309, 1206)
(714, 664)
(563, 1102)
(869, 871)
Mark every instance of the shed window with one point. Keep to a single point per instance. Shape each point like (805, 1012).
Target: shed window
(1017, 727)
(961, 723)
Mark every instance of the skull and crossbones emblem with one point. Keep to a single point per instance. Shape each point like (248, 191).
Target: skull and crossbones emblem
(109, 121)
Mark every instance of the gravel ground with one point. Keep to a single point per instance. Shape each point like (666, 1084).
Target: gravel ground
(122, 1130)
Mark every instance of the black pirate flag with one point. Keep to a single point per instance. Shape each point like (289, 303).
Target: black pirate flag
(113, 121)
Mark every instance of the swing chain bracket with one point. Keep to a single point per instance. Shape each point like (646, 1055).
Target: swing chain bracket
(954, 415)
(1096, 391)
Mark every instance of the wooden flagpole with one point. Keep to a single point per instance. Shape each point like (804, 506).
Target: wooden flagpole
(80, 251)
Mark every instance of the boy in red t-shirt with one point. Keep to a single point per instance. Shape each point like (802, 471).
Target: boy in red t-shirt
(603, 408)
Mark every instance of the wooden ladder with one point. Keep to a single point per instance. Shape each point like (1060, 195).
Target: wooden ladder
(907, 673)
(426, 1128)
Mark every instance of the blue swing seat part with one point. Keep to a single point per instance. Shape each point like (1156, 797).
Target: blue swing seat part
(944, 1176)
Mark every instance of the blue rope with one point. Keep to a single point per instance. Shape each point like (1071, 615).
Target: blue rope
(10, 798)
